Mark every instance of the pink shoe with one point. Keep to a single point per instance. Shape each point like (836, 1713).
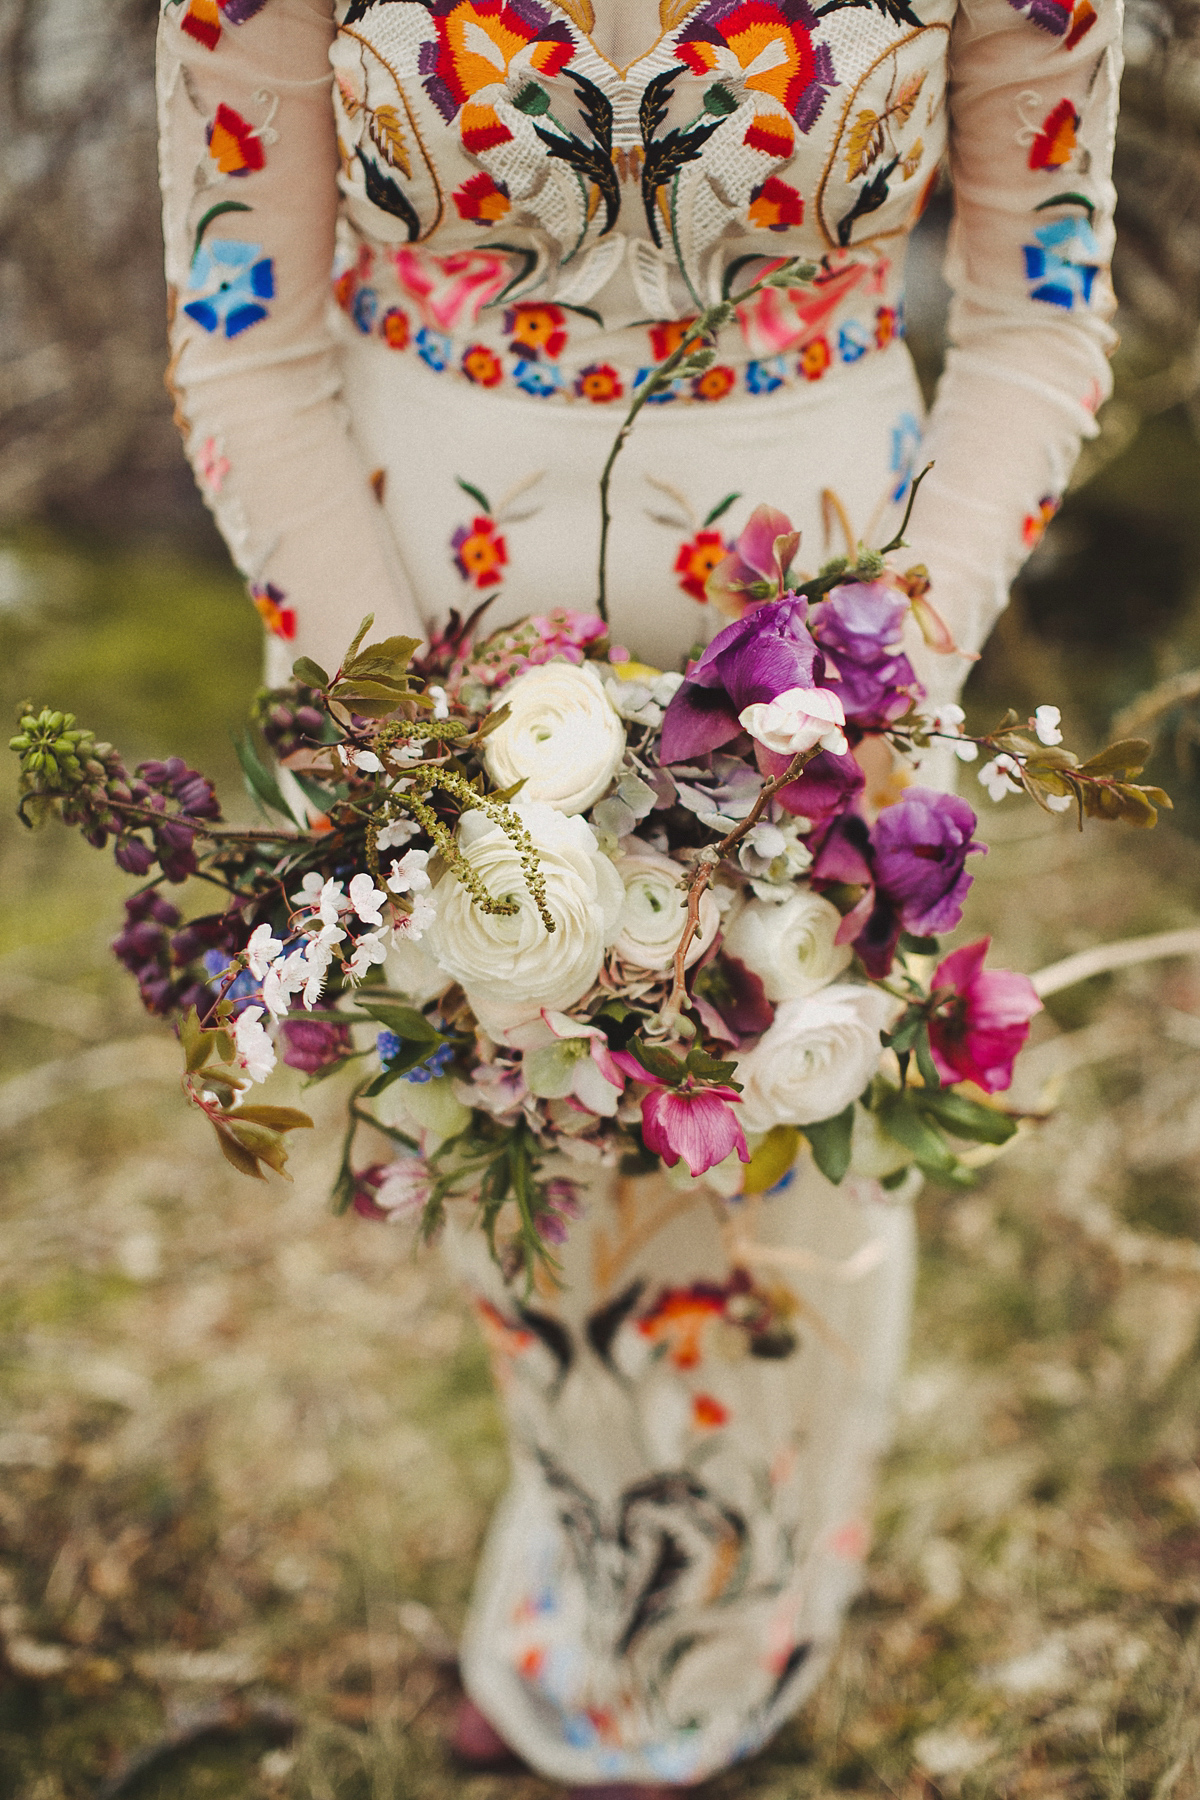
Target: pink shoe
(476, 1744)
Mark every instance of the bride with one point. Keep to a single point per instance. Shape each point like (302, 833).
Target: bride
(421, 254)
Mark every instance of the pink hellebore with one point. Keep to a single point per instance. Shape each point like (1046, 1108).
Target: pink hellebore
(761, 558)
(977, 1035)
(578, 1066)
(698, 1125)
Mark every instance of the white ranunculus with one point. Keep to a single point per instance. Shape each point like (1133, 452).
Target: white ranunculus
(815, 1059)
(509, 964)
(791, 947)
(563, 737)
(798, 719)
(412, 971)
(655, 909)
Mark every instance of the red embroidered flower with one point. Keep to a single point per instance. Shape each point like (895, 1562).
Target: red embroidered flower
(707, 1413)
(536, 330)
(1034, 525)
(885, 326)
(599, 382)
(234, 144)
(482, 200)
(771, 134)
(815, 358)
(714, 384)
(775, 206)
(481, 365)
(202, 21)
(476, 42)
(268, 600)
(480, 552)
(1056, 142)
(767, 47)
(1083, 17)
(696, 561)
(678, 1320)
(666, 337)
(394, 328)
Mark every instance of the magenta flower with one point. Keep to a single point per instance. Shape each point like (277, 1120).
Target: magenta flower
(697, 1124)
(977, 1034)
(858, 627)
(921, 845)
(760, 559)
(756, 658)
(825, 787)
(313, 1044)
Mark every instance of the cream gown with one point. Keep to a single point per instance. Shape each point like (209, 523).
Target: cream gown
(517, 203)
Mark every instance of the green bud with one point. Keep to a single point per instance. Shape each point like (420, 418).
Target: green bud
(19, 743)
(55, 722)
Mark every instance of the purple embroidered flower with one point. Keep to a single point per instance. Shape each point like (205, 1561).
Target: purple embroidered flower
(858, 628)
(756, 658)
(921, 845)
(236, 12)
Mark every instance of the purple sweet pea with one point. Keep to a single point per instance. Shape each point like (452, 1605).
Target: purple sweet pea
(921, 845)
(858, 627)
(846, 858)
(755, 658)
(824, 788)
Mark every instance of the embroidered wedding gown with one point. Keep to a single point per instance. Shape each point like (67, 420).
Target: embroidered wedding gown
(528, 201)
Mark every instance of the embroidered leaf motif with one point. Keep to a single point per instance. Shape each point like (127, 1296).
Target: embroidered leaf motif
(382, 191)
(351, 103)
(870, 198)
(665, 156)
(864, 143)
(912, 161)
(214, 212)
(901, 107)
(898, 11)
(673, 12)
(593, 161)
(387, 134)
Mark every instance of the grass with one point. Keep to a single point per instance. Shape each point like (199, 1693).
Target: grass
(247, 1451)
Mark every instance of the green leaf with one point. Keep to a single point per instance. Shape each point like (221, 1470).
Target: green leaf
(196, 1042)
(918, 1134)
(259, 779)
(918, 946)
(356, 640)
(719, 101)
(405, 1021)
(1126, 757)
(477, 494)
(721, 508)
(259, 1141)
(925, 1062)
(1072, 198)
(966, 1118)
(710, 1068)
(278, 1118)
(353, 688)
(830, 1141)
(233, 1152)
(214, 212)
(310, 672)
(659, 1063)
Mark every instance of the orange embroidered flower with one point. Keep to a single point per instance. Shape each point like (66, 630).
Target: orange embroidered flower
(482, 200)
(678, 1319)
(279, 619)
(775, 206)
(696, 561)
(1034, 526)
(1083, 17)
(714, 384)
(1056, 142)
(233, 143)
(502, 1337)
(707, 1413)
(476, 42)
(394, 328)
(666, 337)
(599, 382)
(815, 358)
(885, 326)
(202, 21)
(480, 552)
(766, 45)
(771, 134)
(531, 1663)
(343, 289)
(536, 330)
(481, 365)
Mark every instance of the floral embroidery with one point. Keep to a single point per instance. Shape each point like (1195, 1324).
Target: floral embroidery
(230, 279)
(539, 379)
(1060, 265)
(906, 443)
(1056, 142)
(679, 1319)
(715, 383)
(775, 206)
(766, 47)
(1059, 17)
(269, 603)
(599, 382)
(536, 331)
(853, 341)
(434, 348)
(815, 358)
(477, 43)
(707, 1413)
(666, 337)
(451, 289)
(1034, 525)
(483, 366)
(696, 561)
(212, 466)
(204, 18)
(395, 329)
(365, 310)
(234, 144)
(887, 326)
(481, 200)
(480, 552)
(765, 377)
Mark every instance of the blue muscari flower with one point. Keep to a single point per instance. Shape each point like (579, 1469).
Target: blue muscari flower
(434, 348)
(853, 341)
(764, 377)
(433, 1064)
(231, 279)
(366, 306)
(388, 1045)
(537, 378)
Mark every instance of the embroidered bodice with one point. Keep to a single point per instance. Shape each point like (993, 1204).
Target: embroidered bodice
(522, 213)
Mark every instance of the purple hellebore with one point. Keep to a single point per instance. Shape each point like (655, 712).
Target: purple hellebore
(858, 627)
(760, 558)
(921, 846)
(756, 658)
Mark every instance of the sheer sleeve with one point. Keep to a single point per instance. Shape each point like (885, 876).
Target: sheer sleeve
(249, 182)
(1033, 101)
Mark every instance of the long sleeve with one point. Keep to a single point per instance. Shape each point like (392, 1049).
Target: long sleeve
(249, 172)
(1033, 101)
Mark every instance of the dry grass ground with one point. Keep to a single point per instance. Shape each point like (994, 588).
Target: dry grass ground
(247, 1450)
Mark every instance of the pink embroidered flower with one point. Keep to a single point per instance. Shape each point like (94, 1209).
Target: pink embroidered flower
(977, 1034)
(212, 467)
(449, 289)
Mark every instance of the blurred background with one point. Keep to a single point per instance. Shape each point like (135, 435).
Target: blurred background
(246, 1450)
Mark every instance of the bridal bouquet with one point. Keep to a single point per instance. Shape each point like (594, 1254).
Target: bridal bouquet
(558, 908)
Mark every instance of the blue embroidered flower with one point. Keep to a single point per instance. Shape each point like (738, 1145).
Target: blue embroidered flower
(1057, 263)
(765, 377)
(230, 279)
(906, 442)
(854, 340)
(434, 348)
(366, 309)
(537, 378)
(670, 392)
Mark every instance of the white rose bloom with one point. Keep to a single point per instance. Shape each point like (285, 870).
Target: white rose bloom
(816, 1058)
(509, 964)
(790, 947)
(563, 738)
(655, 909)
(412, 971)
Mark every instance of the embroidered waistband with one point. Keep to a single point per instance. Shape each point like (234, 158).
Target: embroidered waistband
(537, 333)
